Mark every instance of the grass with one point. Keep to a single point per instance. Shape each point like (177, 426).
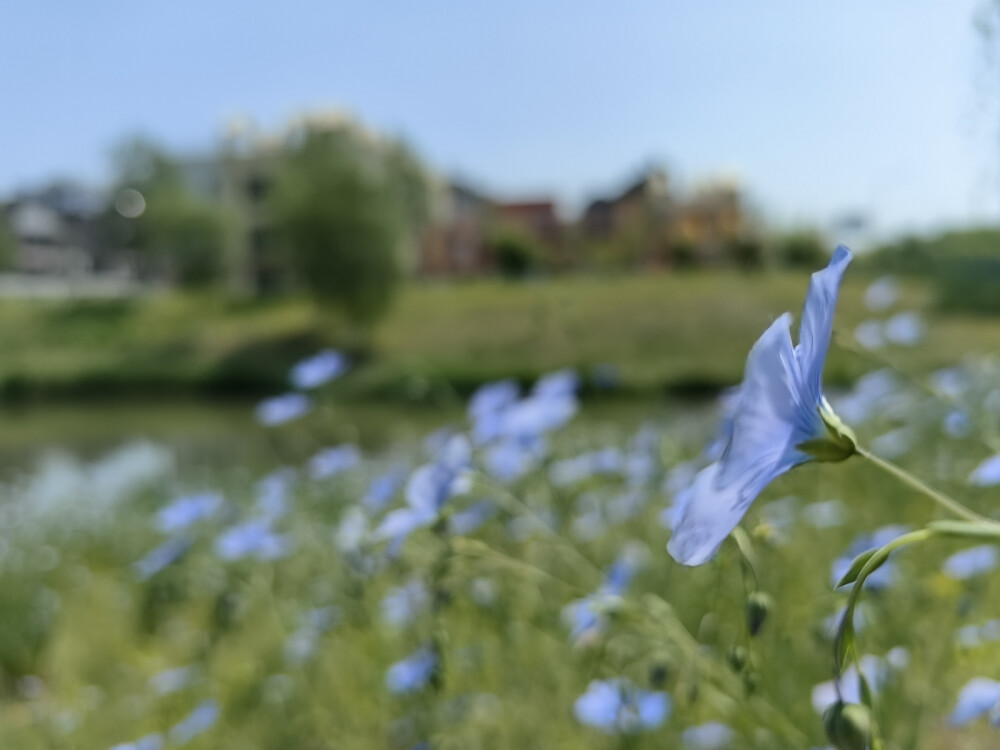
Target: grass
(682, 333)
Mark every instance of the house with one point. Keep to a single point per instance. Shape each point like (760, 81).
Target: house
(55, 230)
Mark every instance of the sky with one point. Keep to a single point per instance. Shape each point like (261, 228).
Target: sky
(820, 109)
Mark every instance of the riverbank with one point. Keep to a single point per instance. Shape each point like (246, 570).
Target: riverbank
(629, 336)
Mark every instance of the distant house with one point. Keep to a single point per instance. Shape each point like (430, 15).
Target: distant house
(455, 242)
(640, 218)
(649, 222)
(55, 231)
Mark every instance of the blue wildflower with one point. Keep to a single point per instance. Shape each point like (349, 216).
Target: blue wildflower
(510, 459)
(321, 368)
(403, 603)
(251, 539)
(200, 720)
(412, 674)
(712, 735)
(979, 696)
(882, 294)
(149, 742)
(972, 562)
(492, 398)
(427, 490)
(281, 409)
(332, 461)
(557, 384)
(171, 680)
(987, 474)
(187, 510)
(468, 520)
(870, 334)
(272, 493)
(620, 707)
(781, 421)
(586, 617)
(381, 491)
(876, 671)
(161, 558)
(905, 329)
(956, 424)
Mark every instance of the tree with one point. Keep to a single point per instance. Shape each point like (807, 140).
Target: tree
(174, 230)
(345, 210)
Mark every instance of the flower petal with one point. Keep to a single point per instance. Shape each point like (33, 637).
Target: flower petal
(817, 320)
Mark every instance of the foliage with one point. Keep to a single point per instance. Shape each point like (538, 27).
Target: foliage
(346, 213)
(799, 250)
(172, 230)
(8, 244)
(515, 254)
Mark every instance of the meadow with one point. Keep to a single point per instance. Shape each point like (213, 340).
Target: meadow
(498, 578)
(662, 334)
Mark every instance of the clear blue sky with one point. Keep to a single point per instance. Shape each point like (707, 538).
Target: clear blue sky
(820, 108)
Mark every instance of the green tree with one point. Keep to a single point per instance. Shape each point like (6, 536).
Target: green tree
(801, 249)
(8, 244)
(346, 211)
(173, 230)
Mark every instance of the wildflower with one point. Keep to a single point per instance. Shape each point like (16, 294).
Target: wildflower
(332, 461)
(281, 409)
(412, 673)
(161, 558)
(870, 334)
(171, 680)
(321, 368)
(713, 735)
(782, 420)
(272, 493)
(381, 491)
(971, 562)
(468, 520)
(905, 329)
(881, 294)
(956, 424)
(403, 603)
(427, 490)
(987, 474)
(979, 696)
(251, 539)
(620, 707)
(187, 510)
(200, 720)
(876, 671)
(149, 742)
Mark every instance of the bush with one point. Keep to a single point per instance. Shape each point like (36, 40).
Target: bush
(514, 254)
(803, 250)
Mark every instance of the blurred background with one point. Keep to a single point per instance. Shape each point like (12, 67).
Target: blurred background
(196, 196)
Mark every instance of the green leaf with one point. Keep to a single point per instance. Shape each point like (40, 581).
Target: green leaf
(866, 691)
(857, 564)
(845, 641)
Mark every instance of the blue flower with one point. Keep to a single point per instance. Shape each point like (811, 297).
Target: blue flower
(251, 539)
(381, 490)
(979, 696)
(782, 420)
(412, 674)
(149, 742)
(331, 461)
(200, 720)
(187, 510)
(619, 707)
(272, 493)
(161, 558)
(882, 294)
(905, 329)
(280, 409)
(712, 735)
(987, 473)
(403, 603)
(321, 368)
(428, 489)
(971, 562)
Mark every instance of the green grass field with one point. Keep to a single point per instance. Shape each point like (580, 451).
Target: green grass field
(680, 333)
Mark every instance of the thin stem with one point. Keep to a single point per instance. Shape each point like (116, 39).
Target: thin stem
(952, 506)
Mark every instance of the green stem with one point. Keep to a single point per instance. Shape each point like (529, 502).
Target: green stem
(952, 506)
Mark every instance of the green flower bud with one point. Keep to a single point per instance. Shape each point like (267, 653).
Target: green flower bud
(737, 657)
(759, 606)
(751, 681)
(848, 726)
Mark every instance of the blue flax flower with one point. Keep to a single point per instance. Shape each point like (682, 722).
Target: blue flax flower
(782, 420)
(412, 674)
(979, 696)
(280, 409)
(200, 720)
(318, 369)
(971, 562)
(713, 735)
(619, 707)
(187, 510)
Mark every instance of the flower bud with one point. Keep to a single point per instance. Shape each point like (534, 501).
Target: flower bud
(736, 657)
(848, 726)
(759, 606)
